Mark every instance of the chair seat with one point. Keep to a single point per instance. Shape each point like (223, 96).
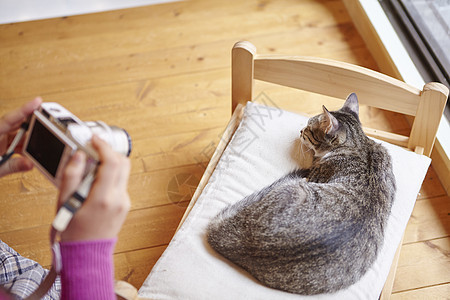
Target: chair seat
(262, 150)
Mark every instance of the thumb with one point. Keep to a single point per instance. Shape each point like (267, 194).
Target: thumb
(72, 176)
(14, 165)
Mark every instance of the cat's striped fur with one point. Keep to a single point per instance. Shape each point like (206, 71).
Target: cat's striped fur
(316, 230)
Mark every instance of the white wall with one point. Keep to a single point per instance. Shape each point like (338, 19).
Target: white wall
(12, 11)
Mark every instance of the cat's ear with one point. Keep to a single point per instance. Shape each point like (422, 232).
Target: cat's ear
(329, 123)
(351, 104)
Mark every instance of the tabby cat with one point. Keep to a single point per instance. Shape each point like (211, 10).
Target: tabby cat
(315, 230)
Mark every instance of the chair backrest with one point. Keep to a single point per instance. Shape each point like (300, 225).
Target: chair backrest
(338, 79)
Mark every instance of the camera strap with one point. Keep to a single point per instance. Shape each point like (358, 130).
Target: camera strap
(60, 222)
(49, 280)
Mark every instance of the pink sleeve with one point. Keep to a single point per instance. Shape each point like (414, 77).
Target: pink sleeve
(3, 295)
(87, 269)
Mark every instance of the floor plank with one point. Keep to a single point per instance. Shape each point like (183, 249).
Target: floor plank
(431, 186)
(429, 220)
(150, 190)
(67, 59)
(134, 266)
(423, 264)
(435, 292)
(143, 228)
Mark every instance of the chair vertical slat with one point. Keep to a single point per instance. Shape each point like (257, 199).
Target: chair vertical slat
(242, 73)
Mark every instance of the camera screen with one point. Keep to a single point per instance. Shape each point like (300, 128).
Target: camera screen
(45, 147)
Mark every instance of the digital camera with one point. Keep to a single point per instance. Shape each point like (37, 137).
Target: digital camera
(54, 134)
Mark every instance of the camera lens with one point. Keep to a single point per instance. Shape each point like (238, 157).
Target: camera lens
(123, 140)
(118, 138)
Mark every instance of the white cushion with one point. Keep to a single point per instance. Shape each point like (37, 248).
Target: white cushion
(260, 152)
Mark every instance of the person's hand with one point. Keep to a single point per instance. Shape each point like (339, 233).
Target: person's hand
(105, 209)
(9, 124)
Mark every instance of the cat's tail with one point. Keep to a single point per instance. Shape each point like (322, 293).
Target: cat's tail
(225, 236)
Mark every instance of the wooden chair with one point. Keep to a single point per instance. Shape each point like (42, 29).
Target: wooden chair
(334, 79)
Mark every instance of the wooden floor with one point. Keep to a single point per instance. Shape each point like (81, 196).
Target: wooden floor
(163, 73)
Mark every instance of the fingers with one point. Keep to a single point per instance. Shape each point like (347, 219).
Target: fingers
(107, 204)
(112, 173)
(9, 123)
(114, 169)
(72, 176)
(12, 120)
(109, 190)
(14, 165)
